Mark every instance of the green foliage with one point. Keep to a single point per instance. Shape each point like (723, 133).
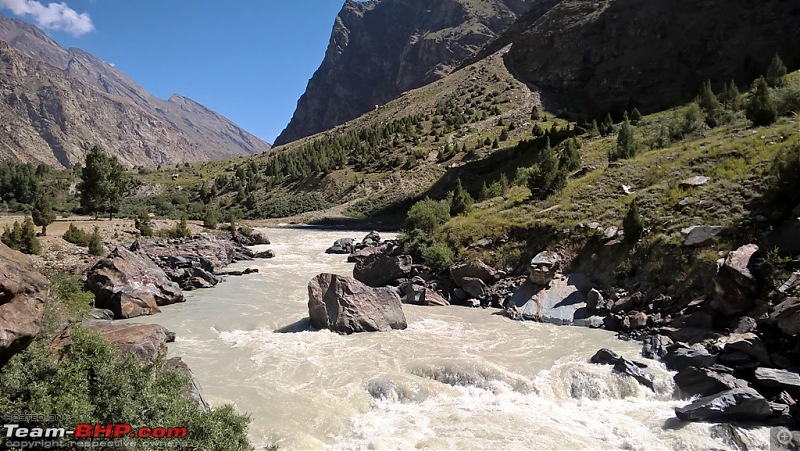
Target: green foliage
(761, 107)
(182, 228)
(210, 218)
(69, 301)
(438, 256)
(21, 237)
(607, 126)
(19, 183)
(94, 383)
(76, 236)
(462, 201)
(730, 97)
(104, 183)
(427, 215)
(571, 157)
(633, 224)
(784, 185)
(787, 98)
(626, 142)
(688, 122)
(42, 213)
(547, 176)
(142, 223)
(712, 108)
(96, 243)
(776, 73)
(636, 116)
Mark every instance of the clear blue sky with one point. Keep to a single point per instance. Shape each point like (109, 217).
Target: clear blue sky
(249, 60)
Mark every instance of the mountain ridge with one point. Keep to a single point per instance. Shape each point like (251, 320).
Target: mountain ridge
(194, 132)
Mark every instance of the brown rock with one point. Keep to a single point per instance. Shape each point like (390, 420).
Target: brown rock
(735, 285)
(145, 340)
(475, 269)
(23, 291)
(131, 285)
(381, 268)
(345, 305)
(544, 267)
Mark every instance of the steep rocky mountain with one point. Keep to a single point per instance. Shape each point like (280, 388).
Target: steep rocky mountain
(62, 102)
(596, 56)
(382, 48)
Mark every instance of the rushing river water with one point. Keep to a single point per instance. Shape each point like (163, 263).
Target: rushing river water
(457, 378)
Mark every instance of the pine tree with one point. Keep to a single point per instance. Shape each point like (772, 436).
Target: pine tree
(547, 176)
(636, 116)
(776, 73)
(503, 135)
(594, 130)
(29, 244)
(103, 183)
(626, 142)
(761, 108)
(483, 194)
(495, 144)
(710, 105)
(462, 201)
(730, 97)
(571, 158)
(182, 228)
(607, 126)
(142, 224)
(42, 213)
(503, 182)
(633, 224)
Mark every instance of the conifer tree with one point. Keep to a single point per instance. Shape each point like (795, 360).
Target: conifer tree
(761, 107)
(29, 244)
(626, 142)
(95, 243)
(710, 105)
(462, 201)
(633, 224)
(636, 116)
(776, 73)
(42, 213)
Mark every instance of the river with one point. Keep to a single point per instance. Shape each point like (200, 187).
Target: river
(457, 378)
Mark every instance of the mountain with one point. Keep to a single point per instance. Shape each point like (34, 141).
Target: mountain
(382, 48)
(63, 101)
(593, 57)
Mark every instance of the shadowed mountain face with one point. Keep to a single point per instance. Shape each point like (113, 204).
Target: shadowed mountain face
(382, 48)
(600, 56)
(62, 102)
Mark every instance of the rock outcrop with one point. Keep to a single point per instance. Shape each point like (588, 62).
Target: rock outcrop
(131, 285)
(345, 305)
(382, 48)
(145, 340)
(543, 267)
(735, 283)
(23, 292)
(56, 101)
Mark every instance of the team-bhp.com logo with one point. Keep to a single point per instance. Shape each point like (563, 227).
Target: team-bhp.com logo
(112, 435)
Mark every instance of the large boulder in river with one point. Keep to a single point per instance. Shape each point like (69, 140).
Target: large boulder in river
(544, 267)
(341, 246)
(372, 239)
(131, 285)
(739, 404)
(23, 291)
(563, 302)
(473, 269)
(383, 267)
(695, 381)
(145, 340)
(345, 305)
(623, 366)
(735, 285)
(678, 358)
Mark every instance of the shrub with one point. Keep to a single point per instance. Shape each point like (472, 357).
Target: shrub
(12, 237)
(633, 224)
(142, 224)
(547, 176)
(427, 215)
(94, 383)
(42, 213)
(626, 142)
(784, 185)
(438, 256)
(462, 201)
(96, 243)
(776, 73)
(29, 244)
(76, 236)
(761, 107)
(182, 228)
(710, 105)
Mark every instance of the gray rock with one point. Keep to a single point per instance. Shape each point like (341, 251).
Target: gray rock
(680, 358)
(749, 344)
(699, 235)
(543, 267)
(739, 404)
(474, 269)
(780, 379)
(345, 305)
(131, 285)
(474, 287)
(623, 366)
(695, 381)
(695, 181)
(341, 246)
(23, 292)
(383, 267)
(744, 325)
(372, 239)
(562, 303)
(147, 341)
(595, 301)
(787, 314)
(637, 320)
(735, 285)
(269, 253)
(99, 314)
(193, 391)
(610, 233)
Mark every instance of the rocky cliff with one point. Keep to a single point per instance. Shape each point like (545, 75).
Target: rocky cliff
(382, 48)
(57, 103)
(596, 56)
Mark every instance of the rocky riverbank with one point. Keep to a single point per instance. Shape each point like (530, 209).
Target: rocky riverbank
(738, 353)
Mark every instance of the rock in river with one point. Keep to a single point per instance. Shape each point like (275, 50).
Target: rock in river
(23, 291)
(131, 285)
(378, 269)
(739, 404)
(345, 305)
(623, 366)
